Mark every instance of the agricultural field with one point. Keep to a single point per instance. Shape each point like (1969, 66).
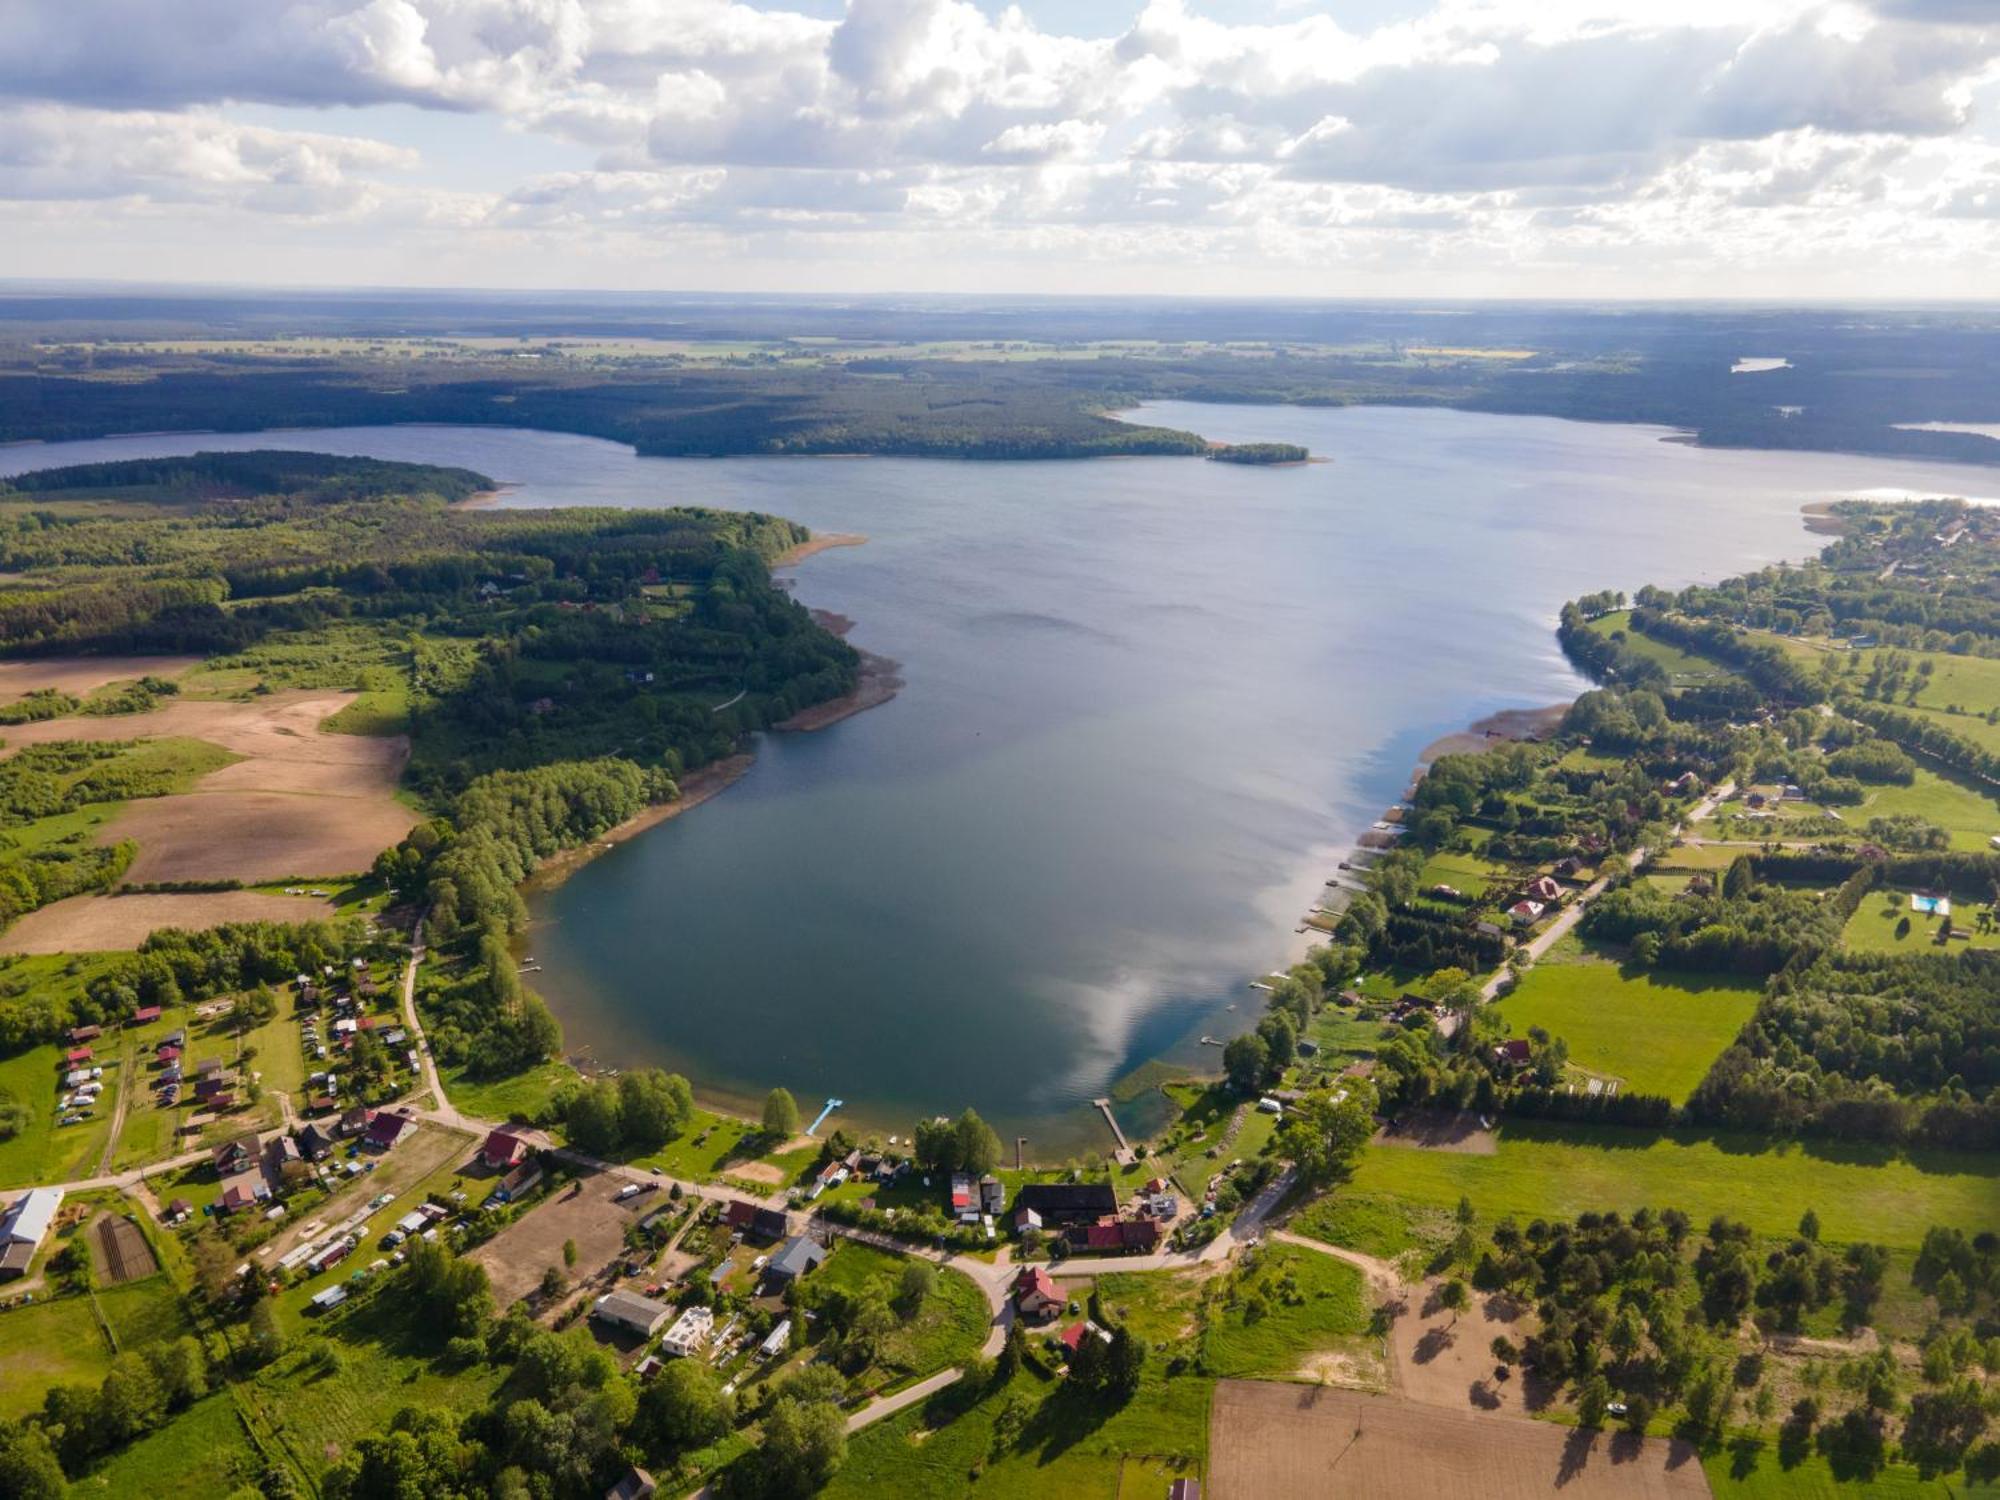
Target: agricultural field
(1656, 1033)
(1859, 1191)
(1970, 816)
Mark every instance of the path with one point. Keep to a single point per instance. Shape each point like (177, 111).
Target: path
(127, 1067)
(1125, 1155)
(888, 1406)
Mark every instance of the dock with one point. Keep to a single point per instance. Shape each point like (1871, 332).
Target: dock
(820, 1119)
(1126, 1155)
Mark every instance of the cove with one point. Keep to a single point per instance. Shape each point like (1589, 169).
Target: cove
(1149, 705)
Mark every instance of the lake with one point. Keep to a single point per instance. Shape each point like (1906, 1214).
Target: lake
(1151, 703)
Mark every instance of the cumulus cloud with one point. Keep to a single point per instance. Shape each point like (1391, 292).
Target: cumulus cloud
(1524, 128)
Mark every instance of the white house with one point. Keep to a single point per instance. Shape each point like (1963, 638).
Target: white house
(690, 1331)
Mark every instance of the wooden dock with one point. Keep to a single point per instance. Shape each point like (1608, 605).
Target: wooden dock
(1126, 1155)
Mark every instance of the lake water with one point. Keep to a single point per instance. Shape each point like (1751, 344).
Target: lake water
(1150, 705)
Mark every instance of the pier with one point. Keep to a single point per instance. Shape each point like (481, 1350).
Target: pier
(1126, 1155)
(820, 1119)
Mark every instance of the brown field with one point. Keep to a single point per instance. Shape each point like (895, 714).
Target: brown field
(516, 1257)
(114, 924)
(119, 1252)
(1295, 1442)
(299, 803)
(77, 675)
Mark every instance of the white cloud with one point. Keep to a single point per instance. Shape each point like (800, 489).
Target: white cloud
(1546, 133)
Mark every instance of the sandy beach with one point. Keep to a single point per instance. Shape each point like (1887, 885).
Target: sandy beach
(1497, 729)
(822, 542)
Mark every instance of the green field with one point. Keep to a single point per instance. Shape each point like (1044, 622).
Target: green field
(1860, 1192)
(1875, 925)
(201, 1454)
(1970, 816)
(41, 1150)
(1375, 1224)
(948, 1330)
(1753, 1472)
(48, 1343)
(1466, 873)
(1683, 666)
(1657, 1033)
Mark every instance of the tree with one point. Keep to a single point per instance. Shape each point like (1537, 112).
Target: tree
(552, 1283)
(1325, 1132)
(1244, 1061)
(1124, 1364)
(130, 1401)
(1281, 1042)
(1088, 1365)
(181, 1369)
(28, 1466)
(977, 1147)
(1453, 1295)
(1591, 1399)
(654, 1106)
(593, 1114)
(1809, 1227)
(569, 1253)
(804, 1443)
(781, 1114)
(266, 1340)
(919, 1281)
(684, 1407)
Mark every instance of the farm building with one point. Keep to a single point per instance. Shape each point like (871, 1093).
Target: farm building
(643, 1315)
(23, 1228)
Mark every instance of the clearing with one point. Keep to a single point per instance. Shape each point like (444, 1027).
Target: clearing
(1656, 1033)
(77, 675)
(300, 802)
(95, 924)
(1272, 1442)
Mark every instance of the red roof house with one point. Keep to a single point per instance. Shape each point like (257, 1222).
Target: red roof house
(85, 1033)
(503, 1149)
(386, 1129)
(144, 1014)
(77, 1055)
(1514, 1050)
(1035, 1292)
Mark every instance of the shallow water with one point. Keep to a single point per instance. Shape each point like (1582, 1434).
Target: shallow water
(1150, 704)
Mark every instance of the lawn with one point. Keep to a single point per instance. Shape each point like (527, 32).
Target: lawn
(1884, 923)
(1468, 874)
(1966, 726)
(518, 1096)
(143, 1312)
(1970, 816)
(1274, 1312)
(1542, 1170)
(41, 1150)
(1657, 1033)
(1375, 1224)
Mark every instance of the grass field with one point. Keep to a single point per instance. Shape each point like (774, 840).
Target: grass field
(1683, 666)
(203, 1453)
(1658, 1034)
(48, 1343)
(1884, 923)
(520, 1096)
(1375, 1224)
(1751, 1471)
(1466, 873)
(1860, 1192)
(948, 1330)
(1289, 1305)
(41, 1150)
(1969, 815)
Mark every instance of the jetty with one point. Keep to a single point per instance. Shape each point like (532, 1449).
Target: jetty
(1126, 1155)
(820, 1118)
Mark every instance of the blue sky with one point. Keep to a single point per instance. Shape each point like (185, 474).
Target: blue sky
(1604, 148)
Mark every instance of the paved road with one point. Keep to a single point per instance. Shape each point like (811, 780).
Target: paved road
(888, 1406)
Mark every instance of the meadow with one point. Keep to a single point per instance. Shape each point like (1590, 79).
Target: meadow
(1657, 1033)
(1684, 667)
(1969, 815)
(1884, 923)
(1860, 1192)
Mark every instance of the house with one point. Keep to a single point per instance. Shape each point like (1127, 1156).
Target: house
(800, 1255)
(23, 1228)
(1035, 1293)
(1544, 890)
(281, 1152)
(519, 1182)
(234, 1154)
(209, 1067)
(503, 1151)
(244, 1190)
(1026, 1219)
(755, 1222)
(1116, 1236)
(85, 1033)
(168, 1056)
(1513, 1052)
(386, 1129)
(174, 1039)
(643, 1315)
(1525, 913)
(1568, 868)
(964, 1204)
(992, 1195)
(1682, 785)
(1067, 1202)
(314, 1144)
(145, 1015)
(777, 1341)
(77, 1055)
(1489, 929)
(635, 1484)
(357, 1120)
(1072, 1337)
(179, 1211)
(690, 1331)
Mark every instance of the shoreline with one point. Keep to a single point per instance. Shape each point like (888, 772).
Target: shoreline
(485, 499)
(880, 680)
(813, 545)
(696, 787)
(1504, 727)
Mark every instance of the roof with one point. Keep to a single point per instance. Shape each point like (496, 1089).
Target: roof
(386, 1129)
(28, 1218)
(799, 1256)
(630, 1307)
(634, 1484)
(1184, 1489)
(1035, 1281)
(1067, 1198)
(146, 1013)
(1515, 1049)
(503, 1145)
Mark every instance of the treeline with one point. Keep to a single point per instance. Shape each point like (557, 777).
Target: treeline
(1259, 453)
(1744, 926)
(318, 477)
(1929, 738)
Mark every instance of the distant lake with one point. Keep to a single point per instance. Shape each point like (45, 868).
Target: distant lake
(1150, 704)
